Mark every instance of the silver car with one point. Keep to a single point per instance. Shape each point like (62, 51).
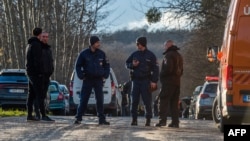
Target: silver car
(205, 100)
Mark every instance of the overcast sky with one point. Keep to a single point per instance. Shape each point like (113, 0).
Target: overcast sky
(129, 14)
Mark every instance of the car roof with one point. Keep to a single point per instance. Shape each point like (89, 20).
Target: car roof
(12, 71)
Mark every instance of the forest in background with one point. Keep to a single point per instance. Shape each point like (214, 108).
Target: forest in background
(71, 22)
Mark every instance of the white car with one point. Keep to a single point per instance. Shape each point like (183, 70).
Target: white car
(112, 95)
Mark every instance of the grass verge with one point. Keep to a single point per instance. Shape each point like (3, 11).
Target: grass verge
(12, 112)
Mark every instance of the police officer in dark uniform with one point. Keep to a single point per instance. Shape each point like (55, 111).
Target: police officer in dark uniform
(170, 77)
(93, 68)
(144, 75)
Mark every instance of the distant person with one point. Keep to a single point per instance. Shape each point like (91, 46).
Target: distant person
(170, 78)
(126, 100)
(36, 68)
(144, 75)
(92, 67)
(124, 106)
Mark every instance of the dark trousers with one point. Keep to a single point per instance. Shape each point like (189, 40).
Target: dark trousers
(87, 86)
(169, 98)
(37, 92)
(141, 88)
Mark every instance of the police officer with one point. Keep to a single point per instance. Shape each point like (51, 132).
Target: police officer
(93, 68)
(144, 75)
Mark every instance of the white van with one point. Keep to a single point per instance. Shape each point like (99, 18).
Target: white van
(112, 95)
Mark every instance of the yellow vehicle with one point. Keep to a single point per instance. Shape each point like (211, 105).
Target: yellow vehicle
(232, 105)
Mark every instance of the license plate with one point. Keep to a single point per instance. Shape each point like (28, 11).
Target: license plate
(53, 98)
(246, 98)
(207, 101)
(16, 90)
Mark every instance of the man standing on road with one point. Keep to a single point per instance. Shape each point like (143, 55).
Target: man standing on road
(144, 75)
(92, 67)
(170, 77)
(48, 69)
(35, 68)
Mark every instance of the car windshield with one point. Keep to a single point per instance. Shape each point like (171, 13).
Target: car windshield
(15, 78)
(211, 88)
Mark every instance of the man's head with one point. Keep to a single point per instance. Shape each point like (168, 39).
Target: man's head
(141, 43)
(37, 31)
(94, 42)
(45, 37)
(168, 44)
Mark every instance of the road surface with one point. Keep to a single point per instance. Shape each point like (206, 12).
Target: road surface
(16, 128)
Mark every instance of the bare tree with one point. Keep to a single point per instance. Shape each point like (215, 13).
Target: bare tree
(69, 22)
(207, 20)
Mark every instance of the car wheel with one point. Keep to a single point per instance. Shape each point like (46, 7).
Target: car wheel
(216, 113)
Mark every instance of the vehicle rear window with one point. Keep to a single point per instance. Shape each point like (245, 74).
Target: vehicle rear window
(64, 89)
(53, 88)
(14, 78)
(211, 88)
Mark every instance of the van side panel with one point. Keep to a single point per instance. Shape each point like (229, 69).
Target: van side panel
(236, 54)
(241, 55)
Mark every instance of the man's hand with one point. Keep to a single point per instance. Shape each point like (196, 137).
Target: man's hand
(135, 63)
(153, 86)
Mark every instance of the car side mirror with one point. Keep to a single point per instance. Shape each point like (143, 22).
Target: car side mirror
(212, 53)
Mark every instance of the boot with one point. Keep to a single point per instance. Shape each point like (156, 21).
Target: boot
(147, 122)
(161, 123)
(134, 122)
(174, 125)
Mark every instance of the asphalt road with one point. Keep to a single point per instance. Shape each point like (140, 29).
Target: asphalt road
(16, 128)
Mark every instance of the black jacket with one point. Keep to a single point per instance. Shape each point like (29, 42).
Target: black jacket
(47, 60)
(39, 59)
(33, 57)
(172, 66)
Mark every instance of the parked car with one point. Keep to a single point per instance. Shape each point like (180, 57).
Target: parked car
(13, 88)
(206, 98)
(72, 104)
(57, 99)
(112, 95)
(66, 93)
(196, 92)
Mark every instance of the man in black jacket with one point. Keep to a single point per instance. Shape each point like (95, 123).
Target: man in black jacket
(48, 69)
(170, 77)
(35, 68)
